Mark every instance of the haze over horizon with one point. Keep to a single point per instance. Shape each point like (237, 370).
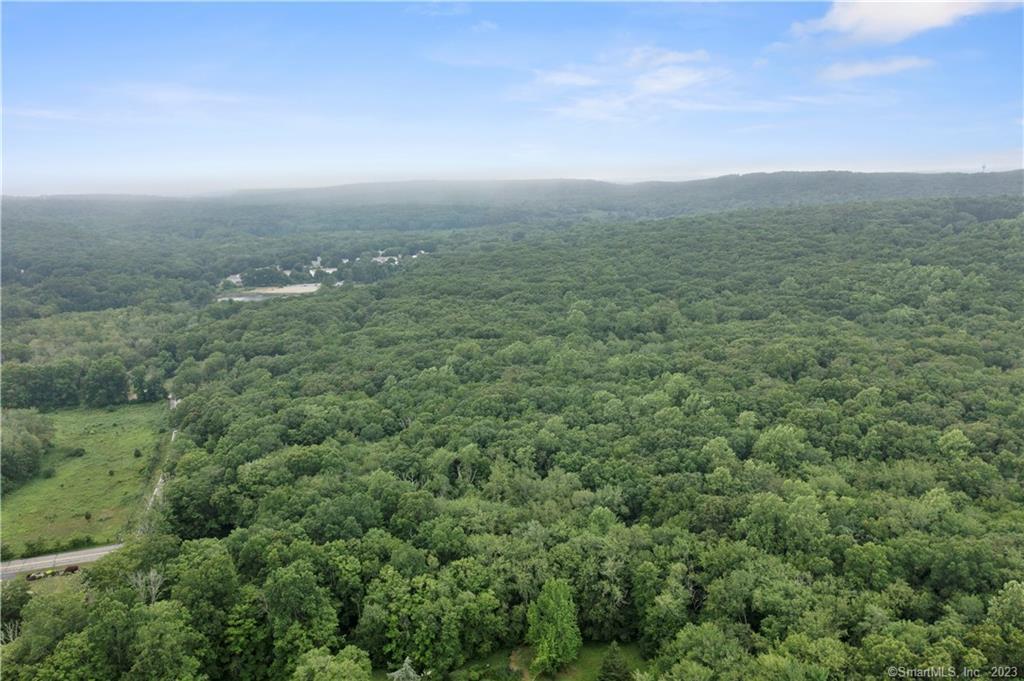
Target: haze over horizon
(193, 99)
(467, 182)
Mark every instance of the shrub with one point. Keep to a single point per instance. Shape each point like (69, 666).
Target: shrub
(35, 547)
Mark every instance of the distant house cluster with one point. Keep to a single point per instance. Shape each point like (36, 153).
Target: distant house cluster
(382, 259)
(316, 266)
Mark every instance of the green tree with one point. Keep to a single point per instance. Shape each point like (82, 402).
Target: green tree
(553, 630)
(24, 439)
(351, 664)
(405, 672)
(206, 583)
(248, 638)
(45, 620)
(74, 659)
(954, 444)
(106, 382)
(784, 445)
(300, 612)
(166, 646)
(613, 666)
(147, 383)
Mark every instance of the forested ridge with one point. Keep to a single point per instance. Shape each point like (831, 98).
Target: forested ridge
(763, 444)
(120, 251)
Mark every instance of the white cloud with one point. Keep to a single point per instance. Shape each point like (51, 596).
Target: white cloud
(484, 26)
(669, 79)
(610, 107)
(735, 104)
(891, 22)
(641, 57)
(625, 84)
(566, 78)
(650, 83)
(867, 69)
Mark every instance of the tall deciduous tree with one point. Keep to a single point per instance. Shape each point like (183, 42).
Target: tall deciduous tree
(106, 382)
(25, 437)
(553, 630)
(166, 646)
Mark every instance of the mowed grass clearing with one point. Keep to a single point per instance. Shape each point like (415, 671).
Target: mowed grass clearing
(586, 667)
(108, 482)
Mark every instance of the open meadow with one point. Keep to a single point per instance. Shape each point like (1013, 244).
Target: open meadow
(86, 498)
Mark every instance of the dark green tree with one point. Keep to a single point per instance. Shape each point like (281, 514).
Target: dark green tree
(106, 382)
(614, 667)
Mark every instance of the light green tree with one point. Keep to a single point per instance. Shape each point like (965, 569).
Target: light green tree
(405, 672)
(351, 664)
(553, 630)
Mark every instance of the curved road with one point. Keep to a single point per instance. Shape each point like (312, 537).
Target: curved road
(11, 568)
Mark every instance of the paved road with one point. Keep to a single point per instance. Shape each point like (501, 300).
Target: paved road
(11, 568)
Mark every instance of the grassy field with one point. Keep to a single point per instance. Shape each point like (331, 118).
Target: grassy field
(586, 668)
(108, 482)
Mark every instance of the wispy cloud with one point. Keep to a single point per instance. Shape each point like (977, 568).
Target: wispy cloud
(641, 57)
(138, 102)
(41, 114)
(669, 79)
(623, 84)
(606, 107)
(867, 69)
(483, 26)
(755, 128)
(566, 78)
(174, 94)
(438, 9)
(892, 22)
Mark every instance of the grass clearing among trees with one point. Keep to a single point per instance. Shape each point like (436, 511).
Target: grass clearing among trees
(93, 495)
(586, 667)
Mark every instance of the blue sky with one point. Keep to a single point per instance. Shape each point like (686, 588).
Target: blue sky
(183, 98)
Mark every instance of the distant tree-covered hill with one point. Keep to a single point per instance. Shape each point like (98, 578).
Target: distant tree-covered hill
(73, 253)
(659, 199)
(453, 205)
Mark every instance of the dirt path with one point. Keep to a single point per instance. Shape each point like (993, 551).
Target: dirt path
(157, 491)
(519, 662)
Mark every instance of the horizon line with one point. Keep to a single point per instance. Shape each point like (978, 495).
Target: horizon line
(225, 193)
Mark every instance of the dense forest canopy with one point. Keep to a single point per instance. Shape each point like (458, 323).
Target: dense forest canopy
(777, 442)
